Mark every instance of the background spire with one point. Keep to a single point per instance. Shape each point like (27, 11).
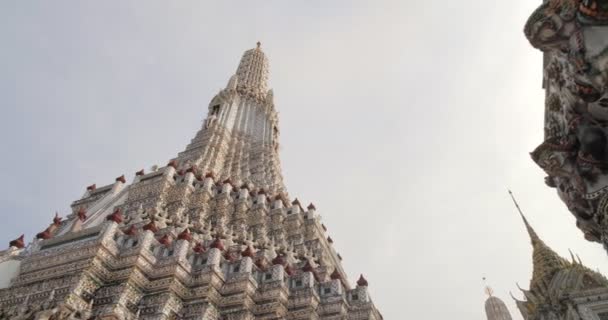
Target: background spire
(533, 236)
(545, 262)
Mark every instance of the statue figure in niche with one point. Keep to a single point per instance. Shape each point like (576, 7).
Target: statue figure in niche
(213, 115)
(275, 138)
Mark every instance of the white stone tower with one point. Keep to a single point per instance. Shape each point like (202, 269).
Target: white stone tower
(495, 307)
(212, 235)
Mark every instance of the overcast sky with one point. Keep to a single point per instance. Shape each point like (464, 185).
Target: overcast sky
(403, 121)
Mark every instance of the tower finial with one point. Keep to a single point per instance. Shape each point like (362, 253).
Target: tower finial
(258, 44)
(533, 236)
(488, 290)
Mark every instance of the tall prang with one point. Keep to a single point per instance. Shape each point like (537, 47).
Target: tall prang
(211, 235)
(573, 37)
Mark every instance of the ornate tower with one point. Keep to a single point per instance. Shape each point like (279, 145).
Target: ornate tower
(561, 289)
(572, 35)
(495, 307)
(211, 235)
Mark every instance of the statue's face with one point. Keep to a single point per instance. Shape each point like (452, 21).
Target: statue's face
(574, 36)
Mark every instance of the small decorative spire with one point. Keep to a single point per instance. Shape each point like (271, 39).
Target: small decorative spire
(57, 220)
(115, 216)
(185, 235)
(261, 264)
(151, 226)
(336, 275)
(308, 267)
(82, 214)
(488, 290)
(311, 207)
(18, 243)
(230, 256)
(217, 243)
(121, 179)
(330, 240)
(199, 248)
(362, 282)
(131, 231)
(46, 234)
(165, 240)
(248, 252)
(172, 163)
(289, 270)
(258, 45)
(92, 187)
(140, 172)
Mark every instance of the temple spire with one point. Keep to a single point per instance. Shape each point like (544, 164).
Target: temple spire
(496, 309)
(546, 262)
(534, 238)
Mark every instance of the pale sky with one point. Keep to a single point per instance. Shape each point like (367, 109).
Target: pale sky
(403, 121)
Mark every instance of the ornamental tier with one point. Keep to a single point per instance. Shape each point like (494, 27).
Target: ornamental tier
(211, 235)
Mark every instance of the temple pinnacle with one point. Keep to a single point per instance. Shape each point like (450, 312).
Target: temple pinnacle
(533, 236)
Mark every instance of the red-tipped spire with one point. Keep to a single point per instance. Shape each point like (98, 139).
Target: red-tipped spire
(18, 243)
(248, 252)
(82, 214)
(336, 275)
(92, 187)
(308, 267)
(185, 235)
(131, 231)
(279, 260)
(140, 172)
(172, 163)
(210, 175)
(362, 282)
(46, 234)
(261, 264)
(228, 181)
(330, 240)
(289, 270)
(116, 216)
(151, 226)
(311, 207)
(296, 202)
(217, 243)
(180, 172)
(121, 179)
(57, 220)
(165, 240)
(191, 169)
(230, 256)
(245, 186)
(199, 248)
